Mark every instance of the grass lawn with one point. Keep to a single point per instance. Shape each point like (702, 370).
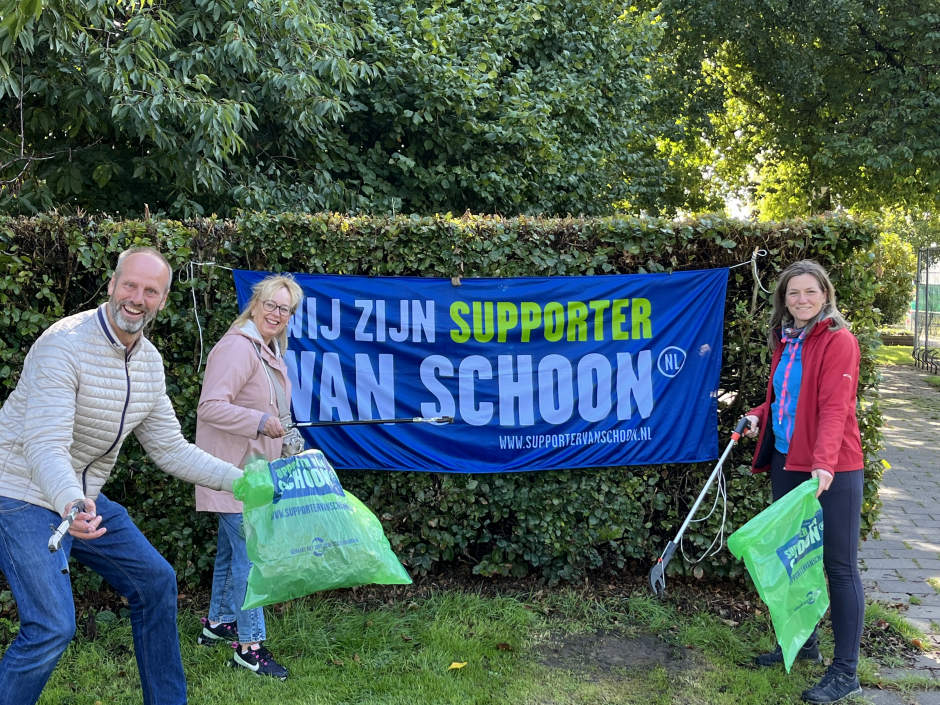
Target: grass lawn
(558, 647)
(894, 355)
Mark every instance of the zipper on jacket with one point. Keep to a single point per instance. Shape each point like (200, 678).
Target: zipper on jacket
(127, 401)
(264, 367)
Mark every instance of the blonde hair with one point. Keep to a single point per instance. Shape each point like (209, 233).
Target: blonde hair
(780, 316)
(264, 290)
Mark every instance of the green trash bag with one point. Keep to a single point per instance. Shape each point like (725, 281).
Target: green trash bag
(782, 548)
(306, 534)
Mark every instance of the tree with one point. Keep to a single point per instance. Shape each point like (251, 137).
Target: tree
(517, 107)
(187, 105)
(896, 266)
(812, 105)
(211, 105)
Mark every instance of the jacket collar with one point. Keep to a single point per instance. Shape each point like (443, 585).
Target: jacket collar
(250, 330)
(105, 324)
(817, 328)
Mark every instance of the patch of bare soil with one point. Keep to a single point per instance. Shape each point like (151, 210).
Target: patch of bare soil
(604, 652)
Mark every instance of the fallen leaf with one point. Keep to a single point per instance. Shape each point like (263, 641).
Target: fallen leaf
(504, 647)
(456, 664)
(405, 638)
(730, 622)
(337, 662)
(356, 658)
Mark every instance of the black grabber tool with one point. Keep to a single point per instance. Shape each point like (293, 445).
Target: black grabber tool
(658, 571)
(363, 422)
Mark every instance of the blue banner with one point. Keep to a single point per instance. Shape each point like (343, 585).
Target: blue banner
(538, 373)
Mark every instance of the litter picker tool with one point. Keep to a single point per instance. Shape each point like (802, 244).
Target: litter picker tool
(362, 422)
(658, 571)
(55, 541)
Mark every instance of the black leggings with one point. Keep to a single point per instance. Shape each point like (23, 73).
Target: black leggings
(842, 515)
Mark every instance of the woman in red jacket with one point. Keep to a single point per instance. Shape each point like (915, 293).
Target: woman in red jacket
(807, 427)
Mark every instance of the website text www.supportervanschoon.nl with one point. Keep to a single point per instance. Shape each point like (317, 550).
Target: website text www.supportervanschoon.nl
(563, 440)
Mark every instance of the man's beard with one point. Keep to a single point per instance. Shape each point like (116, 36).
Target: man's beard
(123, 322)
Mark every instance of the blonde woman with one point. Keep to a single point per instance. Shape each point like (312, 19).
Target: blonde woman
(243, 412)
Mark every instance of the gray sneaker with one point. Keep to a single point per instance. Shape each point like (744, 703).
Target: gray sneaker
(834, 687)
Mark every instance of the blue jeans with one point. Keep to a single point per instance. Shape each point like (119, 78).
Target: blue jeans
(124, 558)
(230, 582)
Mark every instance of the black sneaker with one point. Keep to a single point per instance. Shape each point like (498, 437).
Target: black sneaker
(834, 687)
(221, 633)
(809, 652)
(259, 661)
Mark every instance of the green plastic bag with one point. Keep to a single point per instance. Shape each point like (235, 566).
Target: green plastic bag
(306, 534)
(782, 548)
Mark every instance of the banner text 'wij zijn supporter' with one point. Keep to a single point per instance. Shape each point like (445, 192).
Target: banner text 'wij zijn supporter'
(538, 373)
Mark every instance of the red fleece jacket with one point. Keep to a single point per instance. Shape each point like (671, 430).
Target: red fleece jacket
(825, 433)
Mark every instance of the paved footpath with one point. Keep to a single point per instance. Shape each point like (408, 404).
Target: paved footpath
(901, 562)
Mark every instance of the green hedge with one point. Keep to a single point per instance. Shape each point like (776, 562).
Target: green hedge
(558, 524)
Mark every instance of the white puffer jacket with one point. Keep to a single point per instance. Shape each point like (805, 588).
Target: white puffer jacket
(79, 396)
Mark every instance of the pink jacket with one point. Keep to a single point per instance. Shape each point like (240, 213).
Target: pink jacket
(236, 395)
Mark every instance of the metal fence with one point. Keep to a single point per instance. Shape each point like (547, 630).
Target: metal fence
(927, 310)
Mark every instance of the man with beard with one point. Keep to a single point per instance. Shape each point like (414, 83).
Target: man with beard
(87, 382)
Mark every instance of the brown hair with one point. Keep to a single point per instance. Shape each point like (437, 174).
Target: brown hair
(780, 316)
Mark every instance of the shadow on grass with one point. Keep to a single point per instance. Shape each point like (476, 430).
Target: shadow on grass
(561, 647)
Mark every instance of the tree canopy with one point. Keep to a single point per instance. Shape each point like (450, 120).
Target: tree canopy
(183, 105)
(513, 107)
(210, 105)
(811, 105)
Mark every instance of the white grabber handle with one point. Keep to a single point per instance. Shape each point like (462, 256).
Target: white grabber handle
(55, 541)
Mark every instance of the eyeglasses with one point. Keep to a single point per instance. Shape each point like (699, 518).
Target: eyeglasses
(271, 306)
